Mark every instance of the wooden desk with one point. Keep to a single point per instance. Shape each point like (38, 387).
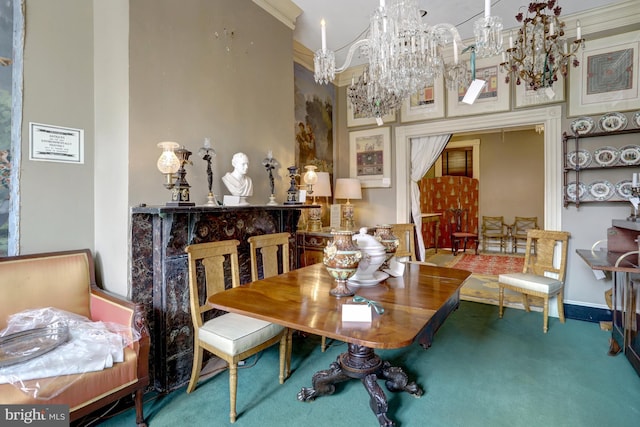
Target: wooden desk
(433, 217)
(626, 313)
(415, 306)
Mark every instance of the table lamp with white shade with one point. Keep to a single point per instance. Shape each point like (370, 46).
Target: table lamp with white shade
(348, 188)
(322, 188)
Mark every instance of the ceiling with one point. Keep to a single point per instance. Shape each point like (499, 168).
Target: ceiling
(348, 20)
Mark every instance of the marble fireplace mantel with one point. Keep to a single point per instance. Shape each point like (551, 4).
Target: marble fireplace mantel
(159, 270)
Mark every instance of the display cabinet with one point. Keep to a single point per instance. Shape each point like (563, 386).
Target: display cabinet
(598, 166)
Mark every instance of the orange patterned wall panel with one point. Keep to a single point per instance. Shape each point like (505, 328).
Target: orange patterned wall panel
(439, 195)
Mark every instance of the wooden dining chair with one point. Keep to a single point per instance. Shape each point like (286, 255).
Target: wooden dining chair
(543, 273)
(521, 225)
(269, 254)
(494, 231)
(406, 237)
(460, 233)
(232, 337)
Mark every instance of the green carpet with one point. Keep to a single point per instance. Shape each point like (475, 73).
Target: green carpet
(480, 371)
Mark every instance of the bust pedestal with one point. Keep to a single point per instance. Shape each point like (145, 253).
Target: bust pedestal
(235, 201)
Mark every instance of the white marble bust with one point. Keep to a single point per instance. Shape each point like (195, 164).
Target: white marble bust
(237, 181)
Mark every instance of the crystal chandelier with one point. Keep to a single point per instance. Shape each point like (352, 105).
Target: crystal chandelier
(488, 32)
(540, 50)
(369, 99)
(404, 55)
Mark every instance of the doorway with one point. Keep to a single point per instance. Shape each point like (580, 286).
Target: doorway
(550, 117)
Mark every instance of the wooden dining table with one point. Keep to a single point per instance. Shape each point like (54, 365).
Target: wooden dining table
(413, 305)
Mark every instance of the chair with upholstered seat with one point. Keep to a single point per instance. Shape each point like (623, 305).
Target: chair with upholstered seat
(494, 231)
(230, 336)
(519, 229)
(543, 273)
(269, 255)
(406, 240)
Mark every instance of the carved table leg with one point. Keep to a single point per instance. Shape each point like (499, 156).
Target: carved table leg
(397, 380)
(378, 402)
(362, 363)
(323, 382)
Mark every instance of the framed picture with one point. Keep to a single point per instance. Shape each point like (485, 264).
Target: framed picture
(528, 98)
(370, 157)
(356, 120)
(607, 78)
(494, 96)
(425, 104)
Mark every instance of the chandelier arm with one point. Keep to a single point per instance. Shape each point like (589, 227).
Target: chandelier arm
(352, 49)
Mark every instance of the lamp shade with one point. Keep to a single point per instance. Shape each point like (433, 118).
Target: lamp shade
(348, 188)
(168, 162)
(323, 186)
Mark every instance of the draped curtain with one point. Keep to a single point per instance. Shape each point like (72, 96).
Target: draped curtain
(424, 152)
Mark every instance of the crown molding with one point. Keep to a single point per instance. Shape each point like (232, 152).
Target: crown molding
(284, 11)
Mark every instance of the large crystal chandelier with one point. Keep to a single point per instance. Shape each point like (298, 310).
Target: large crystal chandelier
(404, 55)
(540, 50)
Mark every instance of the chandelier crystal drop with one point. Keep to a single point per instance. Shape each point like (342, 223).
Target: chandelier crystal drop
(540, 50)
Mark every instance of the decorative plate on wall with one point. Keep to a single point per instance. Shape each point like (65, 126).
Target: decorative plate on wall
(576, 191)
(606, 156)
(601, 190)
(612, 122)
(579, 158)
(630, 155)
(636, 118)
(582, 125)
(623, 188)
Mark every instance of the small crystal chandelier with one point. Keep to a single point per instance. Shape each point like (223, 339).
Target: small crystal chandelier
(369, 99)
(488, 32)
(540, 50)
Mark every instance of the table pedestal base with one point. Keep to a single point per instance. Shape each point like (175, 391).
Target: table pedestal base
(362, 363)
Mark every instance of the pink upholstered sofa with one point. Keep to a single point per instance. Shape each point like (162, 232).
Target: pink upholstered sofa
(66, 280)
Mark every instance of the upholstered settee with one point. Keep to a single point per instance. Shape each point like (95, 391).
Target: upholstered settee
(66, 281)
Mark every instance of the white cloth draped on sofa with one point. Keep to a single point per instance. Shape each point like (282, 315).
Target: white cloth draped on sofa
(92, 346)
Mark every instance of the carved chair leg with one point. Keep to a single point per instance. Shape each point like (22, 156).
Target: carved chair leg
(525, 302)
(500, 301)
(545, 314)
(195, 370)
(561, 306)
(233, 389)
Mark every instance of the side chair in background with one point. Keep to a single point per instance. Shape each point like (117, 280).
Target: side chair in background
(519, 229)
(232, 337)
(543, 273)
(494, 231)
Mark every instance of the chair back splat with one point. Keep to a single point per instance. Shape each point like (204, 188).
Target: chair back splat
(521, 225)
(213, 267)
(545, 266)
(494, 231)
(269, 255)
(406, 239)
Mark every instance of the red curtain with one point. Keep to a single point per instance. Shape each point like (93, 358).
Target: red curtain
(439, 195)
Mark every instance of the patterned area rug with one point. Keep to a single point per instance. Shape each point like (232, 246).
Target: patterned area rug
(482, 285)
(488, 264)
